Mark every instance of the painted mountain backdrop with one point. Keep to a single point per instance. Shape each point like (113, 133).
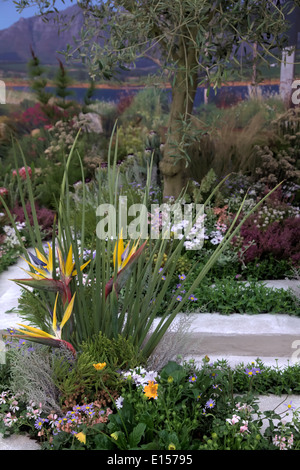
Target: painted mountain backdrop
(43, 37)
(46, 40)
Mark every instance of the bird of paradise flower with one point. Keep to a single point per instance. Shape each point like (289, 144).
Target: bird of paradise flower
(42, 277)
(40, 336)
(123, 260)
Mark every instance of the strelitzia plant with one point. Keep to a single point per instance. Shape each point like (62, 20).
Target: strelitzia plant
(43, 276)
(40, 336)
(123, 261)
(123, 255)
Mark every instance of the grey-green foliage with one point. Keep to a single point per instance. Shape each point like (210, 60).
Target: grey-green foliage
(32, 374)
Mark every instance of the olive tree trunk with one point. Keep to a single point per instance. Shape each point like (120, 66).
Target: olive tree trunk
(174, 162)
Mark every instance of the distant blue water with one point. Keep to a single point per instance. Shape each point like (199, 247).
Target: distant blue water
(225, 94)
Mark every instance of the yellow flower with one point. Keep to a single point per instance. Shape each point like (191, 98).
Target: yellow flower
(114, 435)
(172, 446)
(42, 265)
(150, 390)
(170, 379)
(44, 268)
(100, 365)
(81, 437)
(29, 332)
(122, 254)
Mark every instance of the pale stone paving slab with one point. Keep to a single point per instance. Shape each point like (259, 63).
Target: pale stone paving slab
(9, 294)
(18, 442)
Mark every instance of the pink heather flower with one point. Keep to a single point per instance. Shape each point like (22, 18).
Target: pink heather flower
(32, 411)
(52, 419)
(22, 172)
(3, 191)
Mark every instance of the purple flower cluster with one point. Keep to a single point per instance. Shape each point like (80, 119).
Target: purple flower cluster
(74, 419)
(252, 371)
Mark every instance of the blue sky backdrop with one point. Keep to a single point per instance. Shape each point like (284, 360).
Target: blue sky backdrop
(9, 14)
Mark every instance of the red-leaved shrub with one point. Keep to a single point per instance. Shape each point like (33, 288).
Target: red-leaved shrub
(279, 239)
(45, 216)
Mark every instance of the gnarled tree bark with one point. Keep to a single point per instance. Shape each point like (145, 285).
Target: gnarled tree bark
(174, 162)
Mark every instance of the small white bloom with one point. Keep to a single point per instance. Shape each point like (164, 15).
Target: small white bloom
(119, 402)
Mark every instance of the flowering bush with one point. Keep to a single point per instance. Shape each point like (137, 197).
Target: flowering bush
(34, 117)
(278, 239)
(39, 116)
(45, 217)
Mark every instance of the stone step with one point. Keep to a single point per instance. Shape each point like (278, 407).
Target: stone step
(18, 442)
(236, 337)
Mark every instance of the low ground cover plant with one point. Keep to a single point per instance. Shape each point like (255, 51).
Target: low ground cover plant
(227, 296)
